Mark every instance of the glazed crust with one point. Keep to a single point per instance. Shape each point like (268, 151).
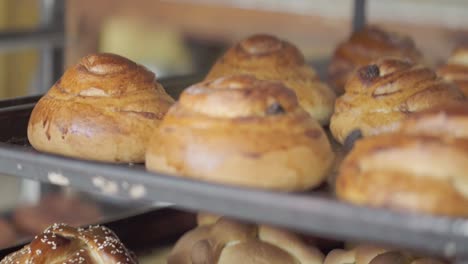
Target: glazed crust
(380, 95)
(241, 131)
(269, 58)
(64, 244)
(229, 242)
(365, 46)
(456, 69)
(104, 108)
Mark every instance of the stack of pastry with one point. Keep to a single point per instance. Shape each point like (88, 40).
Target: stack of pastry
(104, 108)
(269, 58)
(241, 131)
(456, 68)
(378, 96)
(363, 47)
(420, 167)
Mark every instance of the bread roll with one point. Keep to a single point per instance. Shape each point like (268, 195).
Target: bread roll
(363, 47)
(104, 108)
(229, 242)
(422, 167)
(269, 58)
(241, 131)
(54, 208)
(367, 254)
(456, 69)
(64, 244)
(380, 95)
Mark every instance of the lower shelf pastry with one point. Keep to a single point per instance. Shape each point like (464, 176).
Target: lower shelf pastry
(53, 208)
(242, 131)
(7, 233)
(64, 244)
(366, 254)
(421, 167)
(229, 242)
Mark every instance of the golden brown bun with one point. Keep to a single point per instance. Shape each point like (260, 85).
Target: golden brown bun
(363, 47)
(367, 254)
(380, 95)
(207, 218)
(269, 58)
(64, 244)
(7, 234)
(241, 131)
(456, 69)
(229, 242)
(104, 108)
(422, 167)
(54, 208)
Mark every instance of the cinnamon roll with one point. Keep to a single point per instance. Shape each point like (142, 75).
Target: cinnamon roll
(241, 131)
(381, 94)
(365, 46)
(456, 69)
(421, 167)
(269, 58)
(104, 108)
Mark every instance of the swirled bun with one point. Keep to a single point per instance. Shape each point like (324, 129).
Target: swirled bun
(421, 167)
(229, 242)
(367, 45)
(378, 96)
(269, 58)
(241, 131)
(456, 69)
(104, 108)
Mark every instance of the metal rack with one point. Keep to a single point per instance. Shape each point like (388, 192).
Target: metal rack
(317, 212)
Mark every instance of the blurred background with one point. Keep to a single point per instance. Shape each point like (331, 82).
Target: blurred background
(178, 37)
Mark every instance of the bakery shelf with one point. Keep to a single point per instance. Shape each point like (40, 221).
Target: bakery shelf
(314, 212)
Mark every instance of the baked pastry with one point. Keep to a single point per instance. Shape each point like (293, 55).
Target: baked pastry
(104, 108)
(368, 254)
(456, 69)
(64, 244)
(363, 47)
(53, 208)
(228, 241)
(421, 167)
(269, 58)
(8, 234)
(378, 96)
(241, 131)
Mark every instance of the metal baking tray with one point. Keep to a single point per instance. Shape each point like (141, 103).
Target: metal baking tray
(315, 212)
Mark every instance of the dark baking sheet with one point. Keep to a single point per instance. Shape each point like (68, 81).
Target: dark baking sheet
(314, 212)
